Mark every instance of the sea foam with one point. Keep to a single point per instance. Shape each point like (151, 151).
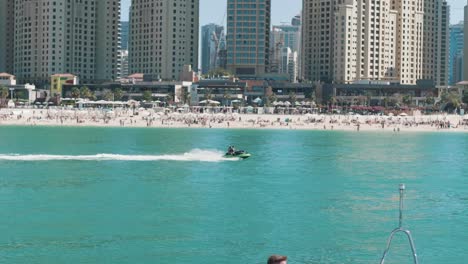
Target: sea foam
(194, 155)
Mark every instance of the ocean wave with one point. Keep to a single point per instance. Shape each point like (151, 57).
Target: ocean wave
(193, 155)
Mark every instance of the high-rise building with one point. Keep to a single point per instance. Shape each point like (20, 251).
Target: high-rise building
(436, 42)
(7, 27)
(163, 37)
(248, 36)
(124, 28)
(211, 37)
(353, 40)
(456, 53)
(317, 39)
(285, 36)
(81, 38)
(465, 47)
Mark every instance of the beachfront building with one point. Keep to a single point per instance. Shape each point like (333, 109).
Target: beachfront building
(285, 36)
(353, 40)
(378, 93)
(211, 37)
(248, 36)
(456, 53)
(163, 37)
(161, 92)
(18, 91)
(6, 35)
(58, 80)
(81, 38)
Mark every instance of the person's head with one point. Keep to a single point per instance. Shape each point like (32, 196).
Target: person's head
(277, 259)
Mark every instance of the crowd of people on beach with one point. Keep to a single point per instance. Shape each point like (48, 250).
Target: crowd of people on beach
(127, 117)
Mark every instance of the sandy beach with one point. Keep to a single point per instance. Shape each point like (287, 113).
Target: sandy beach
(149, 118)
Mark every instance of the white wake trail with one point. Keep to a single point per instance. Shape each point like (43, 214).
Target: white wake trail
(194, 155)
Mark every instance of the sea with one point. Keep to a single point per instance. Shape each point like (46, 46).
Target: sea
(136, 195)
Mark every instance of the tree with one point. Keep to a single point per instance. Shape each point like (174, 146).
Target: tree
(107, 95)
(292, 97)
(450, 101)
(85, 93)
(147, 96)
(226, 97)
(386, 101)
(170, 97)
(271, 99)
(75, 92)
(118, 94)
(407, 99)
(208, 94)
(429, 100)
(3, 94)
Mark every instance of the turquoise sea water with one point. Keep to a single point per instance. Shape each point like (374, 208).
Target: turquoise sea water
(317, 197)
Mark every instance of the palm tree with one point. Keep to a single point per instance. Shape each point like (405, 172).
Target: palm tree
(407, 100)
(465, 98)
(107, 95)
(208, 94)
(118, 94)
(292, 97)
(429, 100)
(147, 96)
(3, 94)
(271, 99)
(226, 97)
(450, 101)
(86, 93)
(75, 92)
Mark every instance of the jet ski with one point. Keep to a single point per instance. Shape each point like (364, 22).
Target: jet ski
(240, 154)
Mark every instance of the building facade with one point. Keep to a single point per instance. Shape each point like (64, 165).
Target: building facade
(7, 27)
(248, 36)
(456, 54)
(52, 37)
(163, 37)
(436, 47)
(465, 47)
(124, 28)
(211, 37)
(345, 41)
(285, 36)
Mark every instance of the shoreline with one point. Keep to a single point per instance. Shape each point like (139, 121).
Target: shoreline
(124, 118)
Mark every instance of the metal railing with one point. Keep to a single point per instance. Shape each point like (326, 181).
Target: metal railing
(400, 229)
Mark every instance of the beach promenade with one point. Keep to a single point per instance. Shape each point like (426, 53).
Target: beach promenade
(149, 118)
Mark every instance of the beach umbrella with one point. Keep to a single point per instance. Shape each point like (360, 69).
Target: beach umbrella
(287, 103)
(235, 101)
(297, 103)
(403, 114)
(257, 100)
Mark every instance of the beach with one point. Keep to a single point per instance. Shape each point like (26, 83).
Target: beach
(124, 117)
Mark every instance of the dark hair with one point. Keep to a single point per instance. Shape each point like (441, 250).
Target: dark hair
(276, 259)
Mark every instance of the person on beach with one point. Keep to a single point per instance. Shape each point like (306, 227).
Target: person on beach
(277, 259)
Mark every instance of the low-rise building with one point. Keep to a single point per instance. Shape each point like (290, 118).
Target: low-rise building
(18, 91)
(59, 80)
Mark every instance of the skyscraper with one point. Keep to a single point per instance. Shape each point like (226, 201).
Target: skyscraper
(353, 40)
(212, 35)
(317, 40)
(7, 27)
(436, 41)
(163, 37)
(465, 47)
(285, 36)
(124, 25)
(80, 38)
(248, 36)
(456, 53)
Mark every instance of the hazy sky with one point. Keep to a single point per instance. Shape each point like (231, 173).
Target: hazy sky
(212, 11)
